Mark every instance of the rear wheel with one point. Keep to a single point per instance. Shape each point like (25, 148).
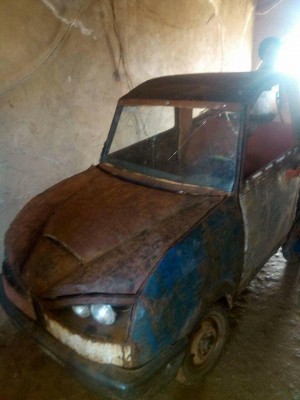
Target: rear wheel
(207, 343)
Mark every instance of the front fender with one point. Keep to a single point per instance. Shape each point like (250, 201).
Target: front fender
(203, 266)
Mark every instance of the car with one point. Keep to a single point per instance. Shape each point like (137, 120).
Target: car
(126, 271)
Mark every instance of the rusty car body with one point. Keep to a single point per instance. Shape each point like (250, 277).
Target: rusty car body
(121, 271)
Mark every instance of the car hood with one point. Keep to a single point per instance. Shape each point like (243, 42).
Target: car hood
(97, 233)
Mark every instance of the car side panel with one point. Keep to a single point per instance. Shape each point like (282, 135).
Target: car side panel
(203, 266)
(269, 204)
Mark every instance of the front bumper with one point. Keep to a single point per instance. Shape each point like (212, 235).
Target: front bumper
(109, 380)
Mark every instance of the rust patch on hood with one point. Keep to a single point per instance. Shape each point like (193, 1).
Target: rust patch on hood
(104, 236)
(110, 211)
(28, 225)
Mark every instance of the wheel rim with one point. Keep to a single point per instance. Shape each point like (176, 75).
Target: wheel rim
(207, 342)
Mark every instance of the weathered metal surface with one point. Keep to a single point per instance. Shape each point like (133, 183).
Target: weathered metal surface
(94, 350)
(116, 382)
(268, 199)
(107, 237)
(200, 269)
(242, 87)
(161, 183)
(268, 204)
(23, 303)
(109, 211)
(27, 227)
(47, 264)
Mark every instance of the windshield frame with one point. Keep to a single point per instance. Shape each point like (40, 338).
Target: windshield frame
(143, 178)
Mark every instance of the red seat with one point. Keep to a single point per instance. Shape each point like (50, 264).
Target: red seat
(268, 142)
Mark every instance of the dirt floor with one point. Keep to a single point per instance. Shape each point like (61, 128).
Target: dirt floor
(261, 360)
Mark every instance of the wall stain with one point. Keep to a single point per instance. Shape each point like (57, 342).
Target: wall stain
(74, 23)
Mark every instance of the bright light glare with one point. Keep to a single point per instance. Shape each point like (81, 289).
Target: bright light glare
(103, 313)
(288, 59)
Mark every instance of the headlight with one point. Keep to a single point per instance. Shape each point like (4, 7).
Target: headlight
(102, 313)
(97, 320)
(81, 311)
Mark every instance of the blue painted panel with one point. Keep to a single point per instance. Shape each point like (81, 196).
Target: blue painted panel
(178, 290)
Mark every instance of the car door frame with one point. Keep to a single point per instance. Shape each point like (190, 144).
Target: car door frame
(263, 197)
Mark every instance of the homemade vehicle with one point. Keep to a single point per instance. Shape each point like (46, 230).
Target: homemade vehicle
(124, 272)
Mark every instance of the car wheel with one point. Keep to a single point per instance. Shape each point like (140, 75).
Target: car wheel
(207, 343)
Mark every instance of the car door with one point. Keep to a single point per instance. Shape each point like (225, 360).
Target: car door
(268, 198)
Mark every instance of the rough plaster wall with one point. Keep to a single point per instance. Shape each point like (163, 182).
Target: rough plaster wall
(64, 64)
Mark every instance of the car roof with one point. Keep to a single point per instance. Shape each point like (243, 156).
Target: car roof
(233, 87)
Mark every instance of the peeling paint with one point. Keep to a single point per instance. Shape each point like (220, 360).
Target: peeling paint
(100, 352)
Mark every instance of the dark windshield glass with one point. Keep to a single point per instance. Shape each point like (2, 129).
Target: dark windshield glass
(188, 145)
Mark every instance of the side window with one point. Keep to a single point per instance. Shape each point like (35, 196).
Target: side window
(270, 131)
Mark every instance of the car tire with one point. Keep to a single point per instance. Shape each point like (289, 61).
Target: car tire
(206, 344)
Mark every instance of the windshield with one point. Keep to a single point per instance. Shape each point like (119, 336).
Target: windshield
(188, 145)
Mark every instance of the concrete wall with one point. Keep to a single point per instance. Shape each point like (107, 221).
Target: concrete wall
(64, 64)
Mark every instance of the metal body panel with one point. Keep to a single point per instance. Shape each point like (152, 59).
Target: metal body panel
(111, 380)
(198, 270)
(268, 204)
(104, 236)
(237, 87)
